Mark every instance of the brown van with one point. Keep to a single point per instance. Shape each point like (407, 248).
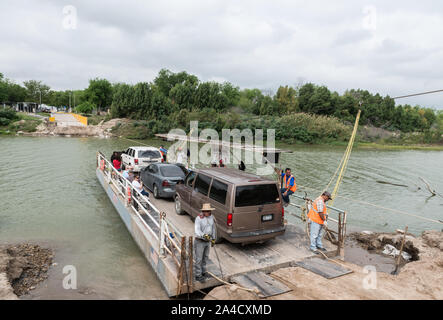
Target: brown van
(248, 208)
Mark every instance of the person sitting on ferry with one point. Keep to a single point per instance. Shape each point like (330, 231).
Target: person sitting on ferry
(128, 174)
(117, 162)
(288, 185)
(137, 184)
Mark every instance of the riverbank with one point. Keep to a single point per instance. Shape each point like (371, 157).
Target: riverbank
(22, 268)
(420, 279)
(141, 130)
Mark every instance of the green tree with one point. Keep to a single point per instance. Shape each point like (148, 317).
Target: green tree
(122, 100)
(142, 96)
(182, 95)
(36, 89)
(286, 99)
(3, 89)
(232, 93)
(166, 80)
(210, 95)
(99, 92)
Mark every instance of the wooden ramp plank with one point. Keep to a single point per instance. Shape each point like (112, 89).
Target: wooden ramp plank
(324, 268)
(267, 285)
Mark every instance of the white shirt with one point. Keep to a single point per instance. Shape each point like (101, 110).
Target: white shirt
(181, 158)
(137, 185)
(204, 225)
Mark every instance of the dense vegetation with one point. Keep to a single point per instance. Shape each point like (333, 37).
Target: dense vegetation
(308, 113)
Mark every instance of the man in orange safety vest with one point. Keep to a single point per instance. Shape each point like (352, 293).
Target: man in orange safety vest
(288, 185)
(318, 215)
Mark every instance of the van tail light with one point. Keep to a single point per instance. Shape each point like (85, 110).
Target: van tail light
(165, 183)
(282, 212)
(136, 161)
(229, 221)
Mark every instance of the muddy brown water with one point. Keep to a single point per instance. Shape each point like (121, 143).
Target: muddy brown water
(50, 196)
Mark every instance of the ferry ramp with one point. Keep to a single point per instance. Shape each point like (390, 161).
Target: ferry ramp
(67, 120)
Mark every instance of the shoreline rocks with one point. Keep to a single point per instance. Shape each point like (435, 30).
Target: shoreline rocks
(22, 268)
(420, 279)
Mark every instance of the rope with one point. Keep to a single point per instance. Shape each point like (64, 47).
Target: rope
(219, 264)
(344, 164)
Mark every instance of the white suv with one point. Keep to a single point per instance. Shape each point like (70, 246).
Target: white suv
(140, 157)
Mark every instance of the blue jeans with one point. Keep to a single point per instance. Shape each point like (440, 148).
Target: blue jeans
(316, 235)
(285, 198)
(143, 192)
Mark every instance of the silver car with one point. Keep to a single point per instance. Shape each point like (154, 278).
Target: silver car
(161, 178)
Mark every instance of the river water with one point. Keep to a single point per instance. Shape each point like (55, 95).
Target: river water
(49, 194)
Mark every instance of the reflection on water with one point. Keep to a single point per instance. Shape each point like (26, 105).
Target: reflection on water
(49, 194)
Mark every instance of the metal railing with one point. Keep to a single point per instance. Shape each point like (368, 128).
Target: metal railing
(168, 235)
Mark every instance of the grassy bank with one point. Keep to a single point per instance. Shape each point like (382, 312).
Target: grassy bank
(15, 122)
(298, 129)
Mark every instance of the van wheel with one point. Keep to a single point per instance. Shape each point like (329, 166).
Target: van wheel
(155, 191)
(178, 206)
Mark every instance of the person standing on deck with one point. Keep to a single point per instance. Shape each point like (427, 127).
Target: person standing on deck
(288, 185)
(318, 215)
(163, 152)
(204, 238)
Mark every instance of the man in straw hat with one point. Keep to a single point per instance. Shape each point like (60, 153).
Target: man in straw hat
(204, 238)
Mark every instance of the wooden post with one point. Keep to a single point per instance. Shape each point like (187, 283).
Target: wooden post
(180, 269)
(397, 263)
(343, 236)
(340, 237)
(191, 264)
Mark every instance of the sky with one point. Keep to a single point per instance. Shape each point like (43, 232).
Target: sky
(394, 48)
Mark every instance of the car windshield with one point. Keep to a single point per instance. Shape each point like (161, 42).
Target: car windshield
(149, 154)
(171, 171)
(256, 195)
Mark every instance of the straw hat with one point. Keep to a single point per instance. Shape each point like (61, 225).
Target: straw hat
(207, 207)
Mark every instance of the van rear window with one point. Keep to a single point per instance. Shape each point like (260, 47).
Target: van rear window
(256, 195)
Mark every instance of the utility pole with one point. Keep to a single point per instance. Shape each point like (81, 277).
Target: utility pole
(40, 105)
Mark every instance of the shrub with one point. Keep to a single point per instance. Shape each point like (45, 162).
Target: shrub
(85, 107)
(7, 116)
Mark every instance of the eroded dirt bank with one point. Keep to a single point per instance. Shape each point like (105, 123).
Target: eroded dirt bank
(102, 130)
(22, 268)
(420, 279)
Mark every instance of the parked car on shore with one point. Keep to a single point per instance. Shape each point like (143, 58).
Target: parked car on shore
(161, 178)
(140, 157)
(248, 208)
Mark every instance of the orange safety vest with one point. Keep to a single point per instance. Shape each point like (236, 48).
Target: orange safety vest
(286, 183)
(314, 214)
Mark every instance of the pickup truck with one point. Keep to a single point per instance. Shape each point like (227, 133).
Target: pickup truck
(140, 157)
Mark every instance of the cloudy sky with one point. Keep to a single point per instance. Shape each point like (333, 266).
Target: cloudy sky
(391, 47)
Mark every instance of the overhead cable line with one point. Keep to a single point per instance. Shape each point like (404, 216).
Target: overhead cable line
(417, 94)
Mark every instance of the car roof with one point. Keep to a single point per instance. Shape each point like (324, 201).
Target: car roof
(162, 164)
(144, 148)
(234, 176)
